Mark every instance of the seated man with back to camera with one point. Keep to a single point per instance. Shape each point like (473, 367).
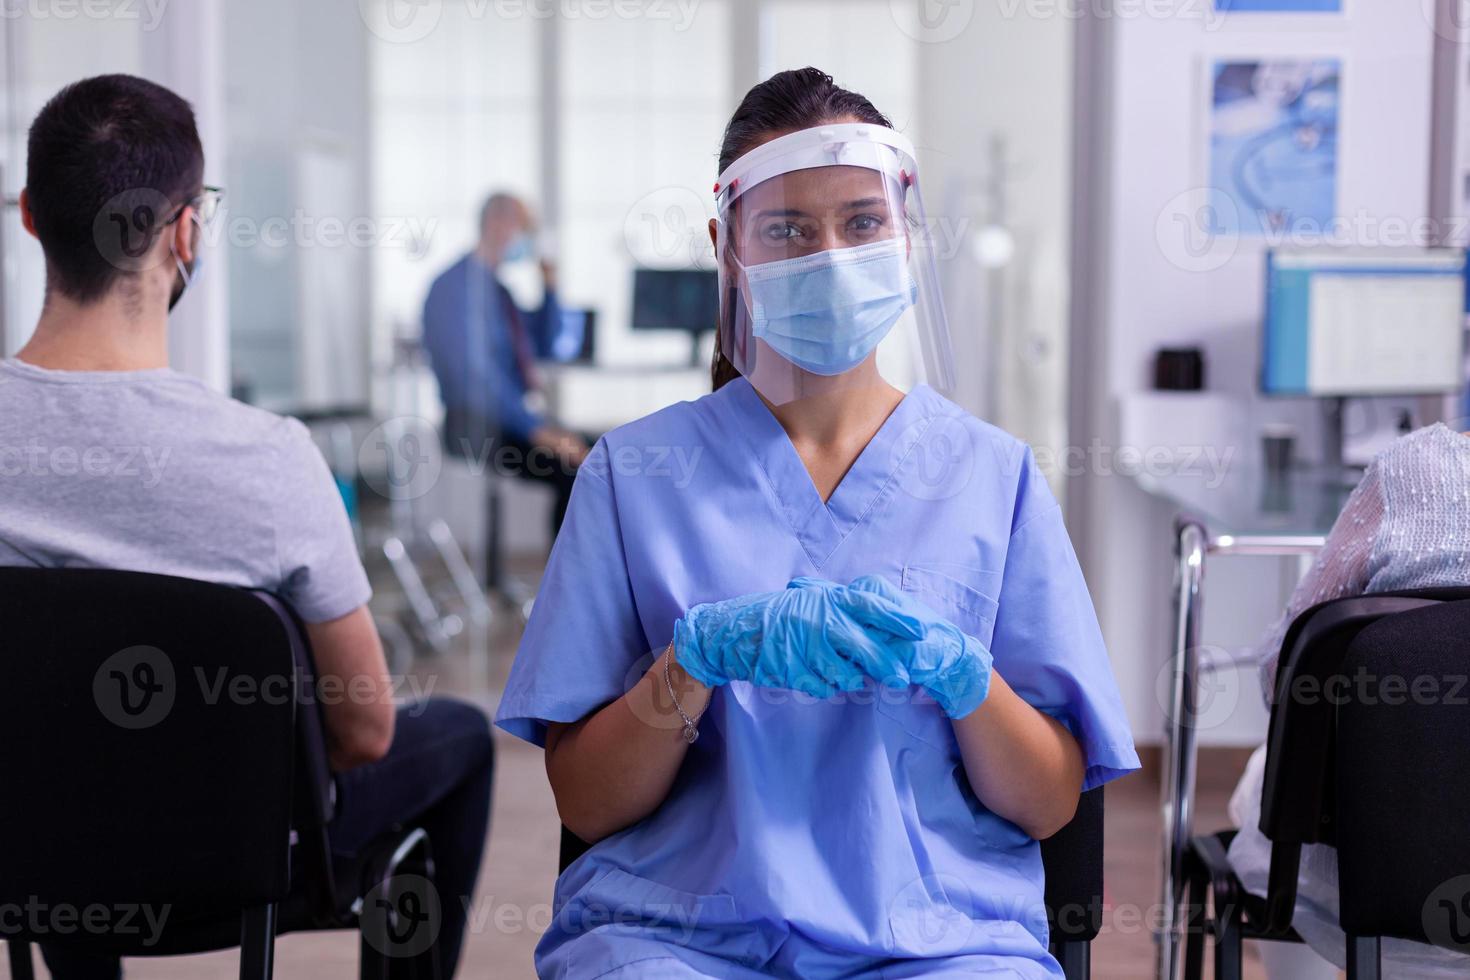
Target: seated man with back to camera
(483, 348)
(181, 480)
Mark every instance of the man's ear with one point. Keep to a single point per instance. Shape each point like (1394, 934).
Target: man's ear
(27, 220)
(186, 240)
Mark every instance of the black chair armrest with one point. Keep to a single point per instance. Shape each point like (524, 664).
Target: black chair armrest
(1286, 861)
(1212, 853)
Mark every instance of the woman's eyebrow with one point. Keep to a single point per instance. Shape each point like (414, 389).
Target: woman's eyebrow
(865, 202)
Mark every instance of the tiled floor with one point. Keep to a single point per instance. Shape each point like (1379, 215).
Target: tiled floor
(513, 903)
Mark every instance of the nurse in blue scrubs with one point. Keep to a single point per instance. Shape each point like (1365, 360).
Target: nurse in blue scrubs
(813, 662)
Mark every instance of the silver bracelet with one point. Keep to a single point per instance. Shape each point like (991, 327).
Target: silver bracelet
(691, 725)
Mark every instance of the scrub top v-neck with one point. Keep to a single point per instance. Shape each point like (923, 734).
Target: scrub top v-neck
(820, 525)
(811, 837)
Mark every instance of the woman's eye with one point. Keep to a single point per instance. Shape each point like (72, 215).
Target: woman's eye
(779, 233)
(865, 224)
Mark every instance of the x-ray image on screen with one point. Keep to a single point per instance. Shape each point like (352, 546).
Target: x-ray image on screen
(1273, 145)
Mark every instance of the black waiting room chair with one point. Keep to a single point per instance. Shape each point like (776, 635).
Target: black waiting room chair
(159, 761)
(1360, 758)
(1073, 859)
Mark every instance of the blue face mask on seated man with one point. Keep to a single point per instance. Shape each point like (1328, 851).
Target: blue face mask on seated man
(826, 312)
(518, 249)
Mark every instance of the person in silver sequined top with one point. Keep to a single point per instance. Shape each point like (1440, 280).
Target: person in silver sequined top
(1405, 526)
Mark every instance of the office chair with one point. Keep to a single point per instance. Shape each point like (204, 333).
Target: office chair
(163, 758)
(1073, 859)
(1355, 763)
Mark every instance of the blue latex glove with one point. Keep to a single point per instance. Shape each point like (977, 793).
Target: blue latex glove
(798, 638)
(925, 649)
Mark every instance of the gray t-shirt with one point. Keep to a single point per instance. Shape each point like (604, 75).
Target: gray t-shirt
(152, 471)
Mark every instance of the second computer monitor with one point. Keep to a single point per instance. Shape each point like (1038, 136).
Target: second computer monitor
(1343, 322)
(685, 300)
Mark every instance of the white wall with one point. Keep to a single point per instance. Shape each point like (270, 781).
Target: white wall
(297, 88)
(40, 55)
(184, 53)
(1151, 296)
(995, 108)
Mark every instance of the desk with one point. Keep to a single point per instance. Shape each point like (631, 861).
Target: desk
(1250, 512)
(596, 398)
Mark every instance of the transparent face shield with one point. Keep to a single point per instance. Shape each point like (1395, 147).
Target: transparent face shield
(827, 272)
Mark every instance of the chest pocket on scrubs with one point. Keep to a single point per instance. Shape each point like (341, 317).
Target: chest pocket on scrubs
(939, 587)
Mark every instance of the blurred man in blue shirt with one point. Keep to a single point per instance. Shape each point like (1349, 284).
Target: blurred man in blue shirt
(483, 348)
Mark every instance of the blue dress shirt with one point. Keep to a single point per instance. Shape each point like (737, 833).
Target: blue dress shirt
(468, 336)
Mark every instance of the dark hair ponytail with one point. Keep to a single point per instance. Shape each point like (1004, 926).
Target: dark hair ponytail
(784, 103)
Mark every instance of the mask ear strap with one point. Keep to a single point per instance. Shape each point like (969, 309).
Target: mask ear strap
(184, 271)
(178, 262)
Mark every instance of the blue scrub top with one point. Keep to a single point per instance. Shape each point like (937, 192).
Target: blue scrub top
(807, 837)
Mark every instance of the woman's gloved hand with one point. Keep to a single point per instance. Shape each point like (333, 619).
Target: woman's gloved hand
(799, 638)
(925, 649)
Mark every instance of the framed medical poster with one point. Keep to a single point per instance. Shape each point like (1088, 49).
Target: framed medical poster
(1279, 6)
(1272, 145)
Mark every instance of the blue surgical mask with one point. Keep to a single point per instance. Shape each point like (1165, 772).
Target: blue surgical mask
(826, 312)
(517, 248)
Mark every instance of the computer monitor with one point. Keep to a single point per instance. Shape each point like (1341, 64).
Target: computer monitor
(1345, 322)
(686, 300)
(577, 340)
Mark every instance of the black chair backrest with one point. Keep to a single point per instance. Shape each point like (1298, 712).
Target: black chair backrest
(1403, 779)
(1300, 798)
(150, 729)
(1073, 859)
(1297, 805)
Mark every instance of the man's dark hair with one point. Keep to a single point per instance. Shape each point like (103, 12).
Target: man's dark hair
(109, 161)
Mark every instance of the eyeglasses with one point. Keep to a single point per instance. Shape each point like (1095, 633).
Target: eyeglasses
(205, 204)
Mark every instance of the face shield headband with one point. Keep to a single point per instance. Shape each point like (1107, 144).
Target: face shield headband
(840, 145)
